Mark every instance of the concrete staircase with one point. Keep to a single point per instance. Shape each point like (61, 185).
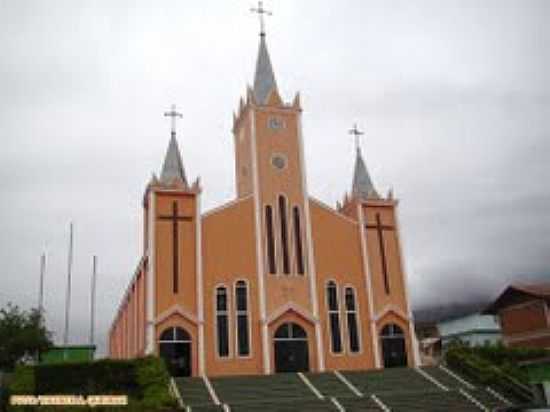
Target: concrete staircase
(402, 389)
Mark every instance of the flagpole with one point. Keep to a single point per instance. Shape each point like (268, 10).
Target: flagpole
(68, 295)
(41, 290)
(92, 303)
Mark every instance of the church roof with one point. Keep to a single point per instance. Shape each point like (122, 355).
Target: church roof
(172, 169)
(362, 186)
(264, 78)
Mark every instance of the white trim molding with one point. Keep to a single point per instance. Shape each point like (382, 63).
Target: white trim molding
(414, 341)
(150, 279)
(310, 268)
(200, 285)
(370, 296)
(259, 251)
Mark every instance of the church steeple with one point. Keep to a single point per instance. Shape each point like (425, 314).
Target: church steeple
(172, 168)
(264, 78)
(362, 186)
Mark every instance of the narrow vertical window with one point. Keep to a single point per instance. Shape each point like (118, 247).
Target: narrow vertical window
(222, 321)
(241, 305)
(334, 317)
(351, 320)
(284, 234)
(270, 239)
(298, 240)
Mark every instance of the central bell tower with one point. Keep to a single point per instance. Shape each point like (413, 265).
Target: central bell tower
(269, 166)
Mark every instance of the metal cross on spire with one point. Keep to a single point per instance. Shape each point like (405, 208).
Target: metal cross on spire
(174, 115)
(261, 11)
(357, 133)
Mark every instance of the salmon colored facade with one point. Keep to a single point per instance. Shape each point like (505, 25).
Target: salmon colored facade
(275, 280)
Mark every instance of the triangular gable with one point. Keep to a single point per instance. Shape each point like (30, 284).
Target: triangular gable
(177, 310)
(291, 307)
(391, 309)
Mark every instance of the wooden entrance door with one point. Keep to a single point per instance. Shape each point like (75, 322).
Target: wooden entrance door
(175, 349)
(394, 349)
(291, 349)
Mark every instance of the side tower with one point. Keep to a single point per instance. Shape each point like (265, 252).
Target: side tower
(173, 284)
(270, 167)
(391, 315)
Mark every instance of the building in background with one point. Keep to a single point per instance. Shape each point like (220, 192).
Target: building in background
(475, 330)
(523, 314)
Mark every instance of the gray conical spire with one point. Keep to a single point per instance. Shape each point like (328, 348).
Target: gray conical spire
(172, 169)
(264, 79)
(362, 187)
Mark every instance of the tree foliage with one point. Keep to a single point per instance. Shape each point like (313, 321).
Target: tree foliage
(22, 335)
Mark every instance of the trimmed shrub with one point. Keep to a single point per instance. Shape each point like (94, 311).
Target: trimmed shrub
(145, 381)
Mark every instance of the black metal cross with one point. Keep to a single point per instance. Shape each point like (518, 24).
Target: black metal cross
(380, 230)
(261, 11)
(356, 134)
(175, 218)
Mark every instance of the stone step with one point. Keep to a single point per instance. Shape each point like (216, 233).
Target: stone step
(329, 385)
(233, 390)
(193, 392)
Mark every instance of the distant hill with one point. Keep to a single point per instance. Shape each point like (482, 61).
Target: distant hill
(436, 313)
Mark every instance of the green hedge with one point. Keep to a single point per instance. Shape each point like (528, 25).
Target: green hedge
(145, 381)
(495, 366)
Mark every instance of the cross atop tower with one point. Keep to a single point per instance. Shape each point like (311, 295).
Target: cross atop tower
(261, 11)
(357, 133)
(174, 115)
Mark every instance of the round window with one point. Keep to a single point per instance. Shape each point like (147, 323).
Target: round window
(278, 161)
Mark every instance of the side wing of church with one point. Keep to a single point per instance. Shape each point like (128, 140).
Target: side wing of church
(274, 281)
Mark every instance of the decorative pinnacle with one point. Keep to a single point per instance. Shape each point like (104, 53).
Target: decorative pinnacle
(174, 115)
(261, 11)
(356, 133)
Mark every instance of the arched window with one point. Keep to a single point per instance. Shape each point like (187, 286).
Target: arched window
(222, 321)
(351, 320)
(334, 317)
(177, 335)
(270, 240)
(298, 240)
(241, 306)
(284, 234)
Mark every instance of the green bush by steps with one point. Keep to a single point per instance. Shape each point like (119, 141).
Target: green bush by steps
(144, 380)
(495, 366)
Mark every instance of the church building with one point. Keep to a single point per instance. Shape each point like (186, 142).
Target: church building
(275, 280)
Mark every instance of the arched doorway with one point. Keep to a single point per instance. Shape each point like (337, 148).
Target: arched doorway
(175, 349)
(394, 350)
(291, 349)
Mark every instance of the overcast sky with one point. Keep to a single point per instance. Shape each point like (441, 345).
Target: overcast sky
(454, 97)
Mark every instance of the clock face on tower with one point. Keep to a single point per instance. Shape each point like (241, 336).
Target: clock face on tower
(275, 123)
